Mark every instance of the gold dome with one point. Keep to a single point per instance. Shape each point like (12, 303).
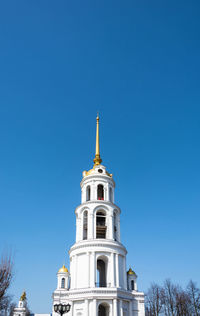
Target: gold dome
(130, 271)
(23, 296)
(95, 171)
(63, 269)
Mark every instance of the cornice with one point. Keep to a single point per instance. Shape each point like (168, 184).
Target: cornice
(97, 176)
(97, 243)
(97, 202)
(90, 293)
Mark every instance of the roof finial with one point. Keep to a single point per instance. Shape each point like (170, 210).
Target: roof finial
(97, 159)
(23, 296)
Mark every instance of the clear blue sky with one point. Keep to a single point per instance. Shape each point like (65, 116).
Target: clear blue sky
(138, 63)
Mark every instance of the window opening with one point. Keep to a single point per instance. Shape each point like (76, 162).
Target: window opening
(63, 283)
(88, 193)
(132, 285)
(101, 273)
(103, 310)
(85, 225)
(100, 192)
(100, 225)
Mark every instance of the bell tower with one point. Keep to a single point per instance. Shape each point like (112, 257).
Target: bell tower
(21, 309)
(99, 282)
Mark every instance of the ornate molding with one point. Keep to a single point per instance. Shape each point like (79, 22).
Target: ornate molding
(94, 243)
(117, 293)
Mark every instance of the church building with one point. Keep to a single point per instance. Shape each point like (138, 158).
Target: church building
(97, 282)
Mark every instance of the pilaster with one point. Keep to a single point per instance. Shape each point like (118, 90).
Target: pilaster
(121, 307)
(115, 307)
(117, 269)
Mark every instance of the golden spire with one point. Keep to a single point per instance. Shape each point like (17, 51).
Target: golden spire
(97, 160)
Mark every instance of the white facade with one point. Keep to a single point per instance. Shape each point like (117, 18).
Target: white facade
(98, 283)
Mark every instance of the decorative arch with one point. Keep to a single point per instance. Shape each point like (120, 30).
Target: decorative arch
(101, 272)
(103, 309)
(102, 208)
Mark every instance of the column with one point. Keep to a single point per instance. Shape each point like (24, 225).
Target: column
(112, 265)
(121, 308)
(94, 307)
(83, 195)
(86, 307)
(75, 278)
(92, 270)
(115, 307)
(105, 193)
(130, 308)
(111, 227)
(78, 228)
(117, 269)
(124, 266)
(88, 263)
(72, 308)
(91, 225)
(118, 228)
(93, 191)
(111, 310)
(72, 272)
(94, 226)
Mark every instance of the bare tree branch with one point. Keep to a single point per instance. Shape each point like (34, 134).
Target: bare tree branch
(6, 274)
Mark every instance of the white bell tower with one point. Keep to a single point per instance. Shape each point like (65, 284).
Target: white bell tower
(21, 309)
(99, 282)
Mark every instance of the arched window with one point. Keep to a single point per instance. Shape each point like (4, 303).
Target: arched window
(115, 226)
(62, 283)
(111, 195)
(100, 225)
(88, 193)
(101, 273)
(132, 285)
(100, 192)
(103, 310)
(85, 225)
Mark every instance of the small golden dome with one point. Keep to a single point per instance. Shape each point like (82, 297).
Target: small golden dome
(96, 170)
(130, 271)
(23, 296)
(63, 269)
